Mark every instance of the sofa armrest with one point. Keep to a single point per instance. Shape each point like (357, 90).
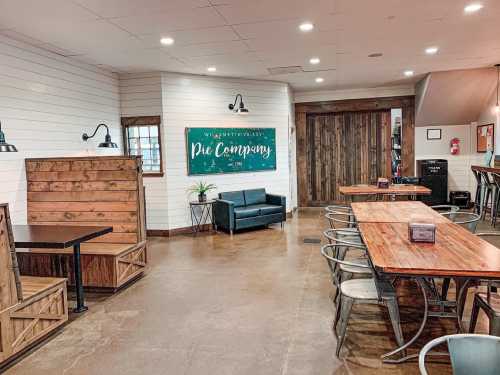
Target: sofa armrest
(277, 200)
(224, 214)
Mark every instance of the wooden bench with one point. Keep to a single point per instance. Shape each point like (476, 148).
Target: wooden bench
(30, 307)
(89, 191)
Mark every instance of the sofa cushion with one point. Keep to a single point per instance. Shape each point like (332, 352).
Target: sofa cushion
(267, 209)
(246, 212)
(255, 196)
(233, 196)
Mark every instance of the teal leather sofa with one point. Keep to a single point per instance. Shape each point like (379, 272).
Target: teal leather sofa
(248, 208)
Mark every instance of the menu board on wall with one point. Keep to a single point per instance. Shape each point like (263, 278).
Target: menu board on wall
(230, 150)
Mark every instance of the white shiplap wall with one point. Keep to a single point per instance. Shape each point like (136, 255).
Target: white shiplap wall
(46, 102)
(459, 166)
(141, 95)
(202, 101)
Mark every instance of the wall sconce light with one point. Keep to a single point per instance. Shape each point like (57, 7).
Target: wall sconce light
(107, 140)
(241, 108)
(4, 146)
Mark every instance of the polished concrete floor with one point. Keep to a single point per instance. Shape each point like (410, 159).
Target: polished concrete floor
(255, 303)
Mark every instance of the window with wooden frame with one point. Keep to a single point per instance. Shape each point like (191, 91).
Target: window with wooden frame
(142, 136)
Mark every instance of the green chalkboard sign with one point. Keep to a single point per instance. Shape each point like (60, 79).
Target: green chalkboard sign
(230, 150)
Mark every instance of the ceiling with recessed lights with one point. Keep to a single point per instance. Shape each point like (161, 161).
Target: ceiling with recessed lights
(250, 39)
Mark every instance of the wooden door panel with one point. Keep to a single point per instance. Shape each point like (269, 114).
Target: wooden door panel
(345, 148)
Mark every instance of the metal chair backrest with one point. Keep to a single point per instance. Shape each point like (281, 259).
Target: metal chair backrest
(10, 280)
(330, 251)
(477, 176)
(486, 178)
(339, 219)
(488, 236)
(469, 353)
(347, 234)
(467, 220)
(338, 208)
(448, 208)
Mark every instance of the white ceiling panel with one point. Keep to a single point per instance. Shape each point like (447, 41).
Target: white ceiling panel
(243, 38)
(160, 23)
(193, 36)
(124, 8)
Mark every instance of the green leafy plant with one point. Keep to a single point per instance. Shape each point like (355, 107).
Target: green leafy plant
(201, 188)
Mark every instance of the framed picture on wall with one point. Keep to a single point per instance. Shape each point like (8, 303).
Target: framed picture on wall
(485, 138)
(433, 134)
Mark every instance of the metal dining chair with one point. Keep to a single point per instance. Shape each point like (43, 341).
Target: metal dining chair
(469, 221)
(338, 207)
(358, 291)
(469, 354)
(341, 219)
(342, 272)
(489, 302)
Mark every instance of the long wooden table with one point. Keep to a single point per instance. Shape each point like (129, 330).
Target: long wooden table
(395, 212)
(393, 189)
(457, 253)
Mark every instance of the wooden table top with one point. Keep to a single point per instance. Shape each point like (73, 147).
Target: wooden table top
(396, 189)
(457, 252)
(485, 169)
(55, 236)
(396, 212)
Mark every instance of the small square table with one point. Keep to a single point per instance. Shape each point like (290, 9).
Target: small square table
(60, 237)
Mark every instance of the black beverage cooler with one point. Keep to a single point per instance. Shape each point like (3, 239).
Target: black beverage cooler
(433, 174)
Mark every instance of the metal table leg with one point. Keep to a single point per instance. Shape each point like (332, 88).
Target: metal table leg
(385, 357)
(80, 299)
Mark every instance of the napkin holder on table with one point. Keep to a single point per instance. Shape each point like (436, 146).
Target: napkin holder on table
(422, 232)
(382, 183)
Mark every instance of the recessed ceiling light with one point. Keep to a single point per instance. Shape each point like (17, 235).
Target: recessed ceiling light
(319, 80)
(474, 7)
(167, 41)
(314, 60)
(212, 69)
(306, 26)
(409, 73)
(431, 50)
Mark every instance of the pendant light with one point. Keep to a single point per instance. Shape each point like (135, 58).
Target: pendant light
(241, 108)
(4, 146)
(497, 107)
(107, 139)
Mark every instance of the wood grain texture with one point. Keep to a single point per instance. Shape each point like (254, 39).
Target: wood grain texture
(395, 212)
(456, 253)
(361, 166)
(393, 189)
(343, 149)
(87, 191)
(485, 169)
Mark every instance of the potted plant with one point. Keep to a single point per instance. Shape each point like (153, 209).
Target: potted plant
(201, 188)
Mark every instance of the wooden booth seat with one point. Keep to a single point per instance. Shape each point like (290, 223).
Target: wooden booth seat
(104, 265)
(30, 307)
(97, 190)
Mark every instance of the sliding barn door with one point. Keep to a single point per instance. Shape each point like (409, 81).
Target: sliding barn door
(346, 148)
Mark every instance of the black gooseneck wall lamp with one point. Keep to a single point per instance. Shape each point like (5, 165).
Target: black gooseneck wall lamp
(107, 140)
(241, 108)
(4, 146)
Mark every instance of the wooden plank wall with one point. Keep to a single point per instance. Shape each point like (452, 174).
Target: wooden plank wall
(347, 142)
(344, 149)
(88, 191)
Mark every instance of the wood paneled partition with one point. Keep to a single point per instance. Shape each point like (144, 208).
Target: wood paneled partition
(348, 142)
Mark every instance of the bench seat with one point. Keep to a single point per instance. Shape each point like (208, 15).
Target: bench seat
(104, 265)
(34, 285)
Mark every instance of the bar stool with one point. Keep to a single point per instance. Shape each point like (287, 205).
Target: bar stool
(479, 188)
(489, 190)
(496, 199)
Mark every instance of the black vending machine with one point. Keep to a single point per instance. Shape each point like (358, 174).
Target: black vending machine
(433, 174)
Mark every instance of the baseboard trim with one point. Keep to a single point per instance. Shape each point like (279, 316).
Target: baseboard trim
(187, 230)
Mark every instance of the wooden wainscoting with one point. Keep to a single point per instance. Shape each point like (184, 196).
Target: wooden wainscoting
(348, 142)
